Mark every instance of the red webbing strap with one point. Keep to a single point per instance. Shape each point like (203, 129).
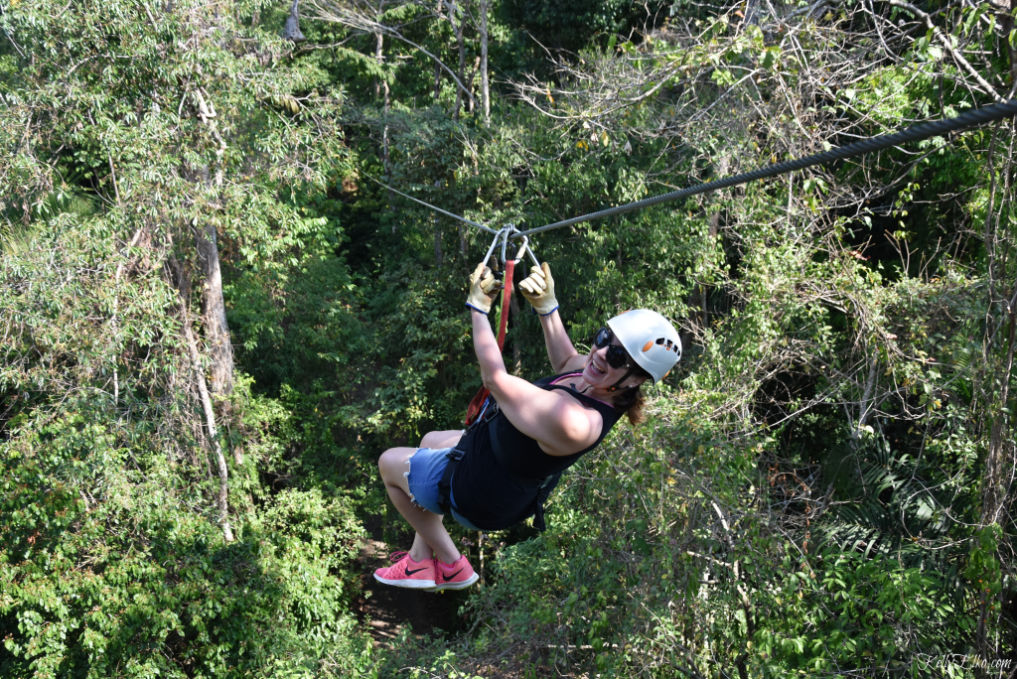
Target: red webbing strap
(473, 409)
(506, 299)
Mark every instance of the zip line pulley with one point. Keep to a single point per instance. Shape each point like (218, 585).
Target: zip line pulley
(502, 237)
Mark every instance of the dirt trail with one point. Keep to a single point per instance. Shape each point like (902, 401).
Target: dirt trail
(388, 610)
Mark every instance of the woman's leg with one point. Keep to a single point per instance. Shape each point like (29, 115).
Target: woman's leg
(431, 535)
(441, 439)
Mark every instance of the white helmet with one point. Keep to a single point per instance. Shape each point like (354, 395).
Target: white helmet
(649, 339)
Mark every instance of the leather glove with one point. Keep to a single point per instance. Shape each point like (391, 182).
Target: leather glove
(538, 289)
(483, 288)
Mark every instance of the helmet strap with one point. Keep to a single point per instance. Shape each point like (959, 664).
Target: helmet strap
(617, 385)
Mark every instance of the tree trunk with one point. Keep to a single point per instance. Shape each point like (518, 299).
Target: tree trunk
(485, 90)
(1000, 457)
(217, 334)
(998, 351)
(182, 283)
(1000, 342)
(382, 91)
(457, 26)
(213, 433)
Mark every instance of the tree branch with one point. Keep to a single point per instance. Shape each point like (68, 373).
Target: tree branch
(336, 13)
(948, 46)
(209, 414)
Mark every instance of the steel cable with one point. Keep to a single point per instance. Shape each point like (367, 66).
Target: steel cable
(433, 207)
(917, 132)
(914, 133)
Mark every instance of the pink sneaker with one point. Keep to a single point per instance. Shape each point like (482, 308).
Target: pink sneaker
(406, 572)
(458, 575)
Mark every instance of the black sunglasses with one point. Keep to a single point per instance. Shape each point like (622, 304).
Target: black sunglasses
(617, 357)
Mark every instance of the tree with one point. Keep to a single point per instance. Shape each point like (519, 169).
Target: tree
(165, 123)
(142, 141)
(396, 21)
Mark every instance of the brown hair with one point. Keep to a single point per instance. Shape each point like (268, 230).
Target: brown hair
(632, 402)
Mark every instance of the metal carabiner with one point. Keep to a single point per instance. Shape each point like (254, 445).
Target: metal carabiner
(533, 256)
(499, 235)
(509, 229)
(503, 235)
(525, 248)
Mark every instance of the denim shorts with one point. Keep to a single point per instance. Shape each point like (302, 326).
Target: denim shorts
(426, 468)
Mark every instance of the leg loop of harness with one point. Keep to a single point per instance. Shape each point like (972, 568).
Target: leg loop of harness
(445, 484)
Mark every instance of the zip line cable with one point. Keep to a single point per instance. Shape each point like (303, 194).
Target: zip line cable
(435, 208)
(917, 132)
(914, 133)
(501, 236)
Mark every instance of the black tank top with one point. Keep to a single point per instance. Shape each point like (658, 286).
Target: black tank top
(504, 476)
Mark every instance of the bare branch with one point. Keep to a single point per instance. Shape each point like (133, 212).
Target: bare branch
(358, 19)
(948, 46)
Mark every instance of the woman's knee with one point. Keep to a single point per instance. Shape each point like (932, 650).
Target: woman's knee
(394, 462)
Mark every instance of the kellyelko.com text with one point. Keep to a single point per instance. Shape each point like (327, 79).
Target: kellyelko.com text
(1002, 666)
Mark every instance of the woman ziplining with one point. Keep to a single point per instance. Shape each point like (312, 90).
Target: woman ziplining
(500, 470)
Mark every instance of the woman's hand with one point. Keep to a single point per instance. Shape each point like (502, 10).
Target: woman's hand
(483, 289)
(538, 289)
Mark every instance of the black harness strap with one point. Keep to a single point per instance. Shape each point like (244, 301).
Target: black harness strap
(536, 509)
(538, 503)
(445, 485)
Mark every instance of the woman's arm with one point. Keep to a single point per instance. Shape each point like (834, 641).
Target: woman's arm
(560, 351)
(558, 422)
(485, 345)
(538, 289)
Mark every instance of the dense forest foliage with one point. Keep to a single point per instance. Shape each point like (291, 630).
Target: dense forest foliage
(213, 318)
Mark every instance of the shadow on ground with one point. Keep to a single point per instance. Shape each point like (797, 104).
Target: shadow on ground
(387, 610)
